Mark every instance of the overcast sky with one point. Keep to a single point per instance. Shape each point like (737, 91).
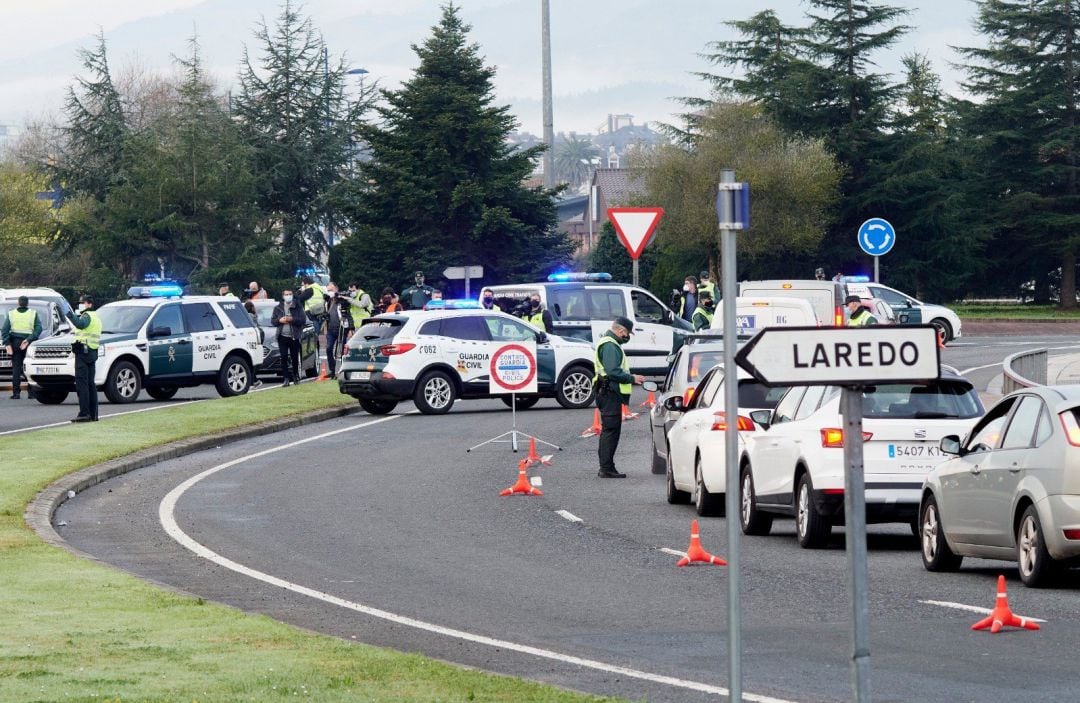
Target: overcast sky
(609, 56)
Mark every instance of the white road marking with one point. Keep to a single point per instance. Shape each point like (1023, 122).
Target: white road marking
(568, 515)
(970, 608)
(672, 552)
(965, 372)
(167, 516)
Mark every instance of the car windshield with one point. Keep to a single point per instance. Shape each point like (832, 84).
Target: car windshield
(265, 313)
(124, 319)
(379, 328)
(938, 400)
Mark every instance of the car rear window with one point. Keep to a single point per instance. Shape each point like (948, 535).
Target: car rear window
(238, 316)
(700, 363)
(753, 394)
(379, 328)
(937, 400)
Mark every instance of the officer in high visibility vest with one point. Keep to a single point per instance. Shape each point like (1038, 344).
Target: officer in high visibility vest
(537, 315)
(21, 326)
(860, 314)
(707, 285)
(613, 383)
(314, 298)
(87, 340)
(703, 314)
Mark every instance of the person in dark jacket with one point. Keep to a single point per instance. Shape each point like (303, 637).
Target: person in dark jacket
(340, 326)
(613, 382)
(289, 319)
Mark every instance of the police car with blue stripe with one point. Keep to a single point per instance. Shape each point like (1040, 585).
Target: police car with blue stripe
(436, 356)
(160, 340)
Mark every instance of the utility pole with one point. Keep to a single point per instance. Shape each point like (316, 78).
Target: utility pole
(549, 122)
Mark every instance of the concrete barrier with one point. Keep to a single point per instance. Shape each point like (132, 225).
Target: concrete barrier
(1024, 370)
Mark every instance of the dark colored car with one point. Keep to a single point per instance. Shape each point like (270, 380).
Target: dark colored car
(271, 365)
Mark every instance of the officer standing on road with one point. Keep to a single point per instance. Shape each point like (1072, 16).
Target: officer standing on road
(860, 314)
(21, 327)
(417, 295)
(314, 298)
(613, 382)
(703, 313)
(85, 348)
(340, 326)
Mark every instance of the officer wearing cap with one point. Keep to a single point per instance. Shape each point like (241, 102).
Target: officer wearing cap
(860, 314)
(21, 326)
(417, 295)
(613, 382)
(85, 347)
(705, 285)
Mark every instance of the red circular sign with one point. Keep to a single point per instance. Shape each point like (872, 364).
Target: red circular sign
(528, 364)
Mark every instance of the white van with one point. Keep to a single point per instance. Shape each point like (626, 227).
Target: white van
(825, 297)
(755, 314)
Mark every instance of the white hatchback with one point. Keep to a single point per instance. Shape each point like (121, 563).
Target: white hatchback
(795, 467)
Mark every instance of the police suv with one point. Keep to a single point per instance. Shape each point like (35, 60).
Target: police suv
(159, 341)
(437, 356)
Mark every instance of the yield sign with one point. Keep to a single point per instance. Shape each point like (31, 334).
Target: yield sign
(635, 226)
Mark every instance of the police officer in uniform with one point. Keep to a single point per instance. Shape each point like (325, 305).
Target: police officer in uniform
(860, 314)
(703, 313)
(706, 285)
(419, 294)
(87, 340)
(21, 327)
(537, 315)
(613, 382)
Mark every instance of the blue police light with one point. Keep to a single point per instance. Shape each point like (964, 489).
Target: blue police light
(855, 279)
(164, 290)
(453, 304)
(565, 276)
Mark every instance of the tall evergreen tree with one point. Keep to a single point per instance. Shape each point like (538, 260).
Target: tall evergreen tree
(444, 186)
(1027, 128)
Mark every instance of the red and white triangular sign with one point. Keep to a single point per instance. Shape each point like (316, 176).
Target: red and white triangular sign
(635, 226)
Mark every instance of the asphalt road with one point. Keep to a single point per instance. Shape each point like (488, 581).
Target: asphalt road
(384, 531)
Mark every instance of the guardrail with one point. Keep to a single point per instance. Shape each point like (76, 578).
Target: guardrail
(1024, 370)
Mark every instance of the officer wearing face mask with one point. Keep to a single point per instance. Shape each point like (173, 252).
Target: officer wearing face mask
(537, 315)
(686, 301)
(703, 314)
(85, 347)
(613, 383)
(487, 299)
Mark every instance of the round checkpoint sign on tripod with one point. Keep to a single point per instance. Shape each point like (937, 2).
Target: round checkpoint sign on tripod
(513, 369)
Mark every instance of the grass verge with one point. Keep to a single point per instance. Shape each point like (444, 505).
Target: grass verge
(75, 630)
(1014, 312)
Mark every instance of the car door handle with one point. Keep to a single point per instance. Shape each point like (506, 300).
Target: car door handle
(184, 341)
(219, 337)
(639, 329)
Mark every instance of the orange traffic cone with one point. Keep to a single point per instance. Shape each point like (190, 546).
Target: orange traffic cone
(650, 402)
(323, 375)
(627, 414)
(1001, 616)
(593, 429)
(522, 487)
(695, 554)
(534, 459)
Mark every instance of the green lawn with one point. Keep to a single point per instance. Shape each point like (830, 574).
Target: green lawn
(1014, 312)
(75, 630)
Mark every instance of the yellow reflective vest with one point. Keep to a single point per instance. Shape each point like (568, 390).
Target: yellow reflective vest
(598, 366)
(90, 336)
(22, 323)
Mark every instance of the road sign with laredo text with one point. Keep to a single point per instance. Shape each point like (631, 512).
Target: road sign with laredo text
(842, 356)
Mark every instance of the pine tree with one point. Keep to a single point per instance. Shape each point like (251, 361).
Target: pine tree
(443, 186)
(1027, 129)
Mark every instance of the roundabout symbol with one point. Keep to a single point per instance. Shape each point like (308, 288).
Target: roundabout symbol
(876, 236)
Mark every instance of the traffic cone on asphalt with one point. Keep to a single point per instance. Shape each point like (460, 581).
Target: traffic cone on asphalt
(323, 375)
(593, 429)
(535, 459)
(627, 414)
(695, 554)
(522, 487)
(650, 402)
(1001, 616)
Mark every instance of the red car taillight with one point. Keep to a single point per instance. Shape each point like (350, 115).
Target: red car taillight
(833, 437)
(1071, 533)
(742, 424)
(838, 316)
(1072, 430)
(392, 349)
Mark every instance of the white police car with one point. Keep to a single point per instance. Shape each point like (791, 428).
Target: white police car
(436, 356)
(156, 343)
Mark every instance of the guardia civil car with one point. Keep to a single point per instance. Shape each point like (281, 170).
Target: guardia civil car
(434, 357)
(157, 343)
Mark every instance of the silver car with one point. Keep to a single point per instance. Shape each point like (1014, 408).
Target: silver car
(1011, 489)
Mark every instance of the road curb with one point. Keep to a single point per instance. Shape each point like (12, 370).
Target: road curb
(39, 511)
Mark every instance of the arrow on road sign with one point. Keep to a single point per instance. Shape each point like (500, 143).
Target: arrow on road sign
(876, 236)
(635, 226)
(458, 272)
(813, 356)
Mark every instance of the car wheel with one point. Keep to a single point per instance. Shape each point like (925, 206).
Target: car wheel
(234, 377)
(658, 464)
(434, 394)
(161, 392)
(378, 407)
(123, 383)
(811, 527)
(752, 520)
(674, 495)
(943, 328)
(50, 397)
(707, 504)
(936, 555)
(523, 402)
(575, 388)
(1037, 567)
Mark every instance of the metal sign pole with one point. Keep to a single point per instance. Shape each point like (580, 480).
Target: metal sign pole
(513, 421)
(726, 213)
(876, 258)
(855, 532)
(635, 272)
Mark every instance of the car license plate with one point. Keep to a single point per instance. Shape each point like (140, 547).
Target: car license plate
(47, 370)
(915, 450)
(361, 376)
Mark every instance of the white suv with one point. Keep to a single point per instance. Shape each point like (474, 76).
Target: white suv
(796, 466)
(160, 344)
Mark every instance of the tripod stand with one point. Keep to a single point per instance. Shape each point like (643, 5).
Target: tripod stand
(513, 433)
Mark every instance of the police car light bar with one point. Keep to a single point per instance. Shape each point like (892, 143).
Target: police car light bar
(855, 279)
(168, 290)
(453, 304)
(575, 276)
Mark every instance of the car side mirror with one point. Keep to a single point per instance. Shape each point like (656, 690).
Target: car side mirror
(674, 404)
(761, 417)
(156, 332)
(651, 386)
(950, 444)
(541, 338)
